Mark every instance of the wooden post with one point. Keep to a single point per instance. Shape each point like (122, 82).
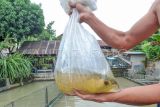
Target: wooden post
(46, 97)
(7, 83)
(13, 104)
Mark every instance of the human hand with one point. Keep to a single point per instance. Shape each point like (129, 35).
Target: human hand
(85, 12)
(103, 97)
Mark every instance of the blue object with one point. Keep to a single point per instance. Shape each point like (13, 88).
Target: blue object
(158, 105)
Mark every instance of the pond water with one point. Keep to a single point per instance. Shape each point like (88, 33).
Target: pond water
(33, 95)
(67, 101)
(21, 92)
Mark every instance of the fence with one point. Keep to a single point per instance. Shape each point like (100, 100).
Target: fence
(40, 98)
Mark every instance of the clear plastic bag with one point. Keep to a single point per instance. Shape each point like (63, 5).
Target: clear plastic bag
(81, 64)
(89, 3)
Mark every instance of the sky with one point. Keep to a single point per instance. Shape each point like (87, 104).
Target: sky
(118, 14)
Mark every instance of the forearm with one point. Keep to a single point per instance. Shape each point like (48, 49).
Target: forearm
(111, 36)
(142, 95)
(141, 30)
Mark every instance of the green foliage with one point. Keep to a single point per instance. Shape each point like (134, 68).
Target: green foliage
(137, 48)
(8, 43)
(47, 34)
(15, 66)
(44, 62)
(152, 47)
(20, 18)
(49, 28)
(155, 37)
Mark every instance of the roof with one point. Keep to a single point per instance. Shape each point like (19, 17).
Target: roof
(40, 47)
(117, 62)
(134, 53)
(47, 47)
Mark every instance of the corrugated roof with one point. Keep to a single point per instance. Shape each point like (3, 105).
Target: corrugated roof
(40, 47)
(46, 47)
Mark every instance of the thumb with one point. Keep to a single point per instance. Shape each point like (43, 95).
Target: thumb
(72, 5)
(82, 8)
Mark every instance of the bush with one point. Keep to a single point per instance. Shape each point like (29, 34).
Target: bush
(15, 66)
(151, 48)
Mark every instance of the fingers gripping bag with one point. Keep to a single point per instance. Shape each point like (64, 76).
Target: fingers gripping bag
(80, 63)
(88, 3)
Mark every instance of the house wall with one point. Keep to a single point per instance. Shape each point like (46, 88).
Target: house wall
(153, 69)
(156, 73)
(137, 58)
(137, 63)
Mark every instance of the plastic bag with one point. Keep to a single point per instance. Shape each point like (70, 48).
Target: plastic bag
(81, 64)
(89, 3)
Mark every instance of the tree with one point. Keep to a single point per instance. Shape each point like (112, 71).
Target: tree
(49, 28)
(8, 43)
(20, 18)
(47, 34)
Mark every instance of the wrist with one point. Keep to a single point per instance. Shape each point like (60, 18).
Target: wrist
(114, 96)
(86, 17)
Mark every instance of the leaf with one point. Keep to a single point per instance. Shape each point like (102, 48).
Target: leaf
(19, 18)
(15, 66)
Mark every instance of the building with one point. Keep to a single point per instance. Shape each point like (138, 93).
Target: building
(45, 53)
(137, 60)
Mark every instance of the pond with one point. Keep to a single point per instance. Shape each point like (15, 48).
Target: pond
(34, 94)
(67, 101)
(22, 92)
